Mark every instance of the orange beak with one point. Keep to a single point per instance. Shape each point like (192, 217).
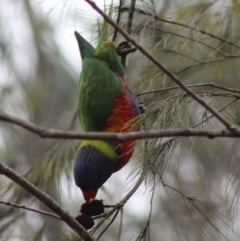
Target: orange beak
(89, 195)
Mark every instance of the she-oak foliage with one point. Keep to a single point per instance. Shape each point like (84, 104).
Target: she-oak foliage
(199, 167)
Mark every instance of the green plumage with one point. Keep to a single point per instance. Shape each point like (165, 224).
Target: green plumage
(86, 49)
(105, 104)
(98, 85)
(107, 52)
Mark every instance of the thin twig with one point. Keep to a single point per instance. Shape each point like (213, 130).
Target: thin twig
(176, 190)
(204, 62)
(30, 209)
(231, 102)
(182, 54)
(129, 25)
(122, 202)
(225, 122)
(99, 216)
(120, 225)
(109, 206)
(199, 62)
(190, 86)
(130, 16)
(227, 56)
(118, 20)
(46, 199)
(109, 224)
(211, 94)
(144, 229)
(195, 28)
(194, 40)
(151, 206)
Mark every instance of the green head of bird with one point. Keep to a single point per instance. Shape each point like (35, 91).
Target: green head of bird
(108, 53)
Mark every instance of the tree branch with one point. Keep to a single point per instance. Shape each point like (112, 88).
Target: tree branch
(208, 118)
(180, 70)
(30, 209)
(199, 62)
(109, 224)
(193, 40)
(225, 122)
(57, 134)
(130, 16)
(191, 86)
(122, 202)
(211, 94)
(54, 206)
(183, 54)
(129, 25)
(118, 20)
(120, 225)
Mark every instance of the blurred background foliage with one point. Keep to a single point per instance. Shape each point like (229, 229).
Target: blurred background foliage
(191, 190)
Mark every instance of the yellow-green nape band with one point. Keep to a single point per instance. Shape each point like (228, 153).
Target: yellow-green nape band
(108, 150)
(110, 44)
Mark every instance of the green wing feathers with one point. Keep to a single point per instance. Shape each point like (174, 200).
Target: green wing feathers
(97, 89)
(86, 49)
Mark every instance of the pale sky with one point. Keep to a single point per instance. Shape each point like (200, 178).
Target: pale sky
(66, 25)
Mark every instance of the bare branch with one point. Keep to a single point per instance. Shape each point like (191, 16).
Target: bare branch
(122, 202)
(57, 134)
(191, 86)
(130, 16)
(205, 62)
(118, 20)
(129, 25)
(54, 206)
(162, 67)
(30, 209)
(199, 62)
(211, 94)
(176, 190)
(109, 224)
(183, 54)
(146, 226)
(120, 225)
(193, 40)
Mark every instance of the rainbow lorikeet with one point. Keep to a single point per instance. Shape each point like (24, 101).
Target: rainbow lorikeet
(105, 105)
